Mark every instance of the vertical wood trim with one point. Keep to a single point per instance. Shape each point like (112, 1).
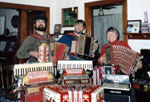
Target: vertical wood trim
(89, 21)
(29, 24)
(23, 25)
(47, 14)
(22, 31)
(124, 22)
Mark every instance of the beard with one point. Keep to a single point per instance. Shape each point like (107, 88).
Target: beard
(40, 28)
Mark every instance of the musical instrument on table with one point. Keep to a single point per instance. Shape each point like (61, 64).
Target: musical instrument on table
(84, 46)
(33, 74)
(86, 64)
(21, 69)
(75, 76)
(32, 79)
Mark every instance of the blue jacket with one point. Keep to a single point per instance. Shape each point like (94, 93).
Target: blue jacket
(67, 39)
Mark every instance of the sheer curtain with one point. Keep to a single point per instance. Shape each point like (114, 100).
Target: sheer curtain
(102, 23)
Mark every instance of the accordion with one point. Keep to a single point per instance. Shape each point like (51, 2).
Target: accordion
(124, 57)
(74, 93)
(58, 51)
(52, 52)
(84, 45)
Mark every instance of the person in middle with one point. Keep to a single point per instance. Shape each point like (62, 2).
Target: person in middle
(67, 39)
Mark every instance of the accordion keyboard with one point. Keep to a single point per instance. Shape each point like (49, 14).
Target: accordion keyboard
(22, 69)
(86, 64)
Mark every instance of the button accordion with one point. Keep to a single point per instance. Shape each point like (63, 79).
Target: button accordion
(58, 51)
(52, 52)
(84, 46)
(124, 57)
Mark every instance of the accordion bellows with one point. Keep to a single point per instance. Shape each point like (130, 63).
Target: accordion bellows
(52, 52)
(83, 45)
(124, 57)
(58, 51)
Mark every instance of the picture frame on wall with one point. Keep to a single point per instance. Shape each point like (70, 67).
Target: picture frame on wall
(69, 16)
(133, 26)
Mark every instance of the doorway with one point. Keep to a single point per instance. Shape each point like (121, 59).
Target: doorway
(105, 17)
(24, 15)
(104, 3)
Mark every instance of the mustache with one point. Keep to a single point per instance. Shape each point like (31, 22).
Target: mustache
(78, 32)
(39, 28)
(40, 25)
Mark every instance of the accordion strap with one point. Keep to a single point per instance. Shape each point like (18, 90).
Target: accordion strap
(37, 36)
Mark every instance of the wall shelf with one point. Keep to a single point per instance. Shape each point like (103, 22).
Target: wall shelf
(138, 35)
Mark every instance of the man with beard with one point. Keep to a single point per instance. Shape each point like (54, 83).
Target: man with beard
(67, 39)
(29, 48)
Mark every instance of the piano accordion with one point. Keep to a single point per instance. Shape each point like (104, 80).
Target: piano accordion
(33, 78)
(86, 64)
(124, 57)
(84, 46)
(21, 69)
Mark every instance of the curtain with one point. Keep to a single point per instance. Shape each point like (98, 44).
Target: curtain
(102, 23)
